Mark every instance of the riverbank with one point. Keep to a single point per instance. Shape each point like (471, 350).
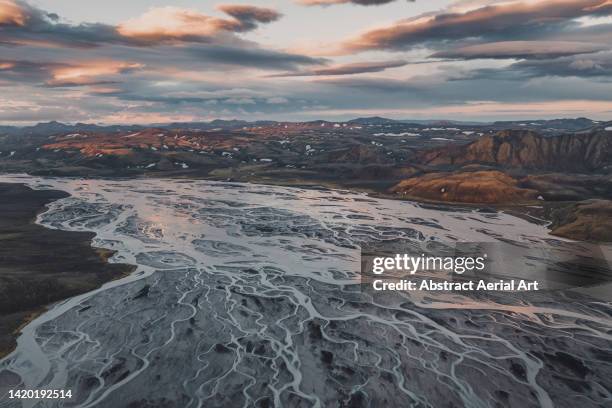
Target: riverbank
(40, 266)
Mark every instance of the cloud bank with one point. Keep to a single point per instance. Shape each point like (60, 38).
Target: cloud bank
(518, 19)
(472, 59)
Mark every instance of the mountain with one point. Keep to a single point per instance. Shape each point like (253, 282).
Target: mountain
(373, 120)
(442, 122)
(525, 149)
(547, 126)
(6, 130)
(54, 128)
(570, 125)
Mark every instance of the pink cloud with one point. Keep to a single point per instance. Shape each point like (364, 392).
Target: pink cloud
(89, 73)
(174, 23)
(12, 13)
(505, 18)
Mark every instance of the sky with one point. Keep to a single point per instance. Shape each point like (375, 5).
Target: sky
(158, 61)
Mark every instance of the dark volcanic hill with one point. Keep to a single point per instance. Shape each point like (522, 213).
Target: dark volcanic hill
(373, 120)
(589, 220)
(524, 149)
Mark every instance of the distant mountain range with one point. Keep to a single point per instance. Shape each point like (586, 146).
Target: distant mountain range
(377, 120)
(54, 127)
(564, 124)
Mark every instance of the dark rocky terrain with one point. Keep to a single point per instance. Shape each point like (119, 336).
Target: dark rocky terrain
(39, 266)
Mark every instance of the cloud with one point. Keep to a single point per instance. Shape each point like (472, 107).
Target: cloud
(252, 57)
(592, 65)
(23, 24)
(249, 16)
(89, 74)
(346, 69)
(518, 19)
(54, 74)
(359, 2)
(196, 93)
(11, 13)
(161, 37)
(277, 100)
(28, 71)
(173, 23)
(240, 101)
(177, 62)
(433, 90)
(521, 50)
(597, 67)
